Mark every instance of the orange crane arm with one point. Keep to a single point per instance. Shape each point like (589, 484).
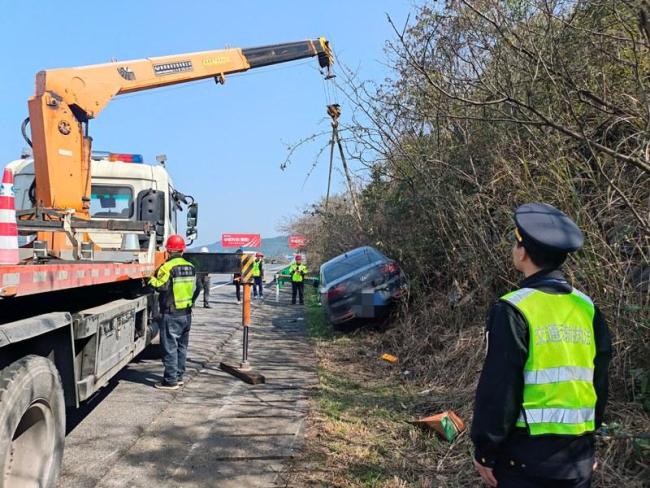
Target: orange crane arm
(66, 99)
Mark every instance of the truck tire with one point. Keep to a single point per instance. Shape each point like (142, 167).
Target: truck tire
(32, 423)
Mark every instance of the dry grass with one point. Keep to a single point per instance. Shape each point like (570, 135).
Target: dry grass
(358, 432)
(358, 435)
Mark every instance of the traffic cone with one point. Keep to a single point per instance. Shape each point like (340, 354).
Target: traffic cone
(8, 228)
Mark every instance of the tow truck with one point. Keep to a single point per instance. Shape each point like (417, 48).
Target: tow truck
(74, 305)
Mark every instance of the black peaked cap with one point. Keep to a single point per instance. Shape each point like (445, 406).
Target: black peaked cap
(547, 228)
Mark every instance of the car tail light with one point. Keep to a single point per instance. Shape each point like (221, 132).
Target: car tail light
(390, 268)
(336, 292)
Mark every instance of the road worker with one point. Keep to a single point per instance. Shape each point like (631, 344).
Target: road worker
(297, 271)
(258, 276)
(175, 281)
(203, 283)
(543, 388)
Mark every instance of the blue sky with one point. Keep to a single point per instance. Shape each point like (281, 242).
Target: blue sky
(225, 143)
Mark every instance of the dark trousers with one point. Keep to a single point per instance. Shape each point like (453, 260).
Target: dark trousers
(174, 337)
(509, 478)
(298, 287)
(203, 282)
(258, 285)
(238, 290)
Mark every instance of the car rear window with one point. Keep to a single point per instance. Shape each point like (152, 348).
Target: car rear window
(334, 271)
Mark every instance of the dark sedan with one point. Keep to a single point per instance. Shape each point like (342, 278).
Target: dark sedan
(362, 283)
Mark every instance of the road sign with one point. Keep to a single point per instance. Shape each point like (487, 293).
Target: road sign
(241, 240)
(296, 242)
(247, 261)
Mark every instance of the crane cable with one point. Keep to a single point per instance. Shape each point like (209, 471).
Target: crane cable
(334, 111)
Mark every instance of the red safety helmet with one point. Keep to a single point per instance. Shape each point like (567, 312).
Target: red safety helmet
(298, 257)
(259, 255)
(175, 243)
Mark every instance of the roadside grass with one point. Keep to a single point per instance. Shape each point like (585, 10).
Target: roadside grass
(317, 324)
(358, 432)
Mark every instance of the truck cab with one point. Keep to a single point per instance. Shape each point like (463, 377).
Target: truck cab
(123, 187)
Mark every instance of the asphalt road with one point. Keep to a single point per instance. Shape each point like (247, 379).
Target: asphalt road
(217, 430)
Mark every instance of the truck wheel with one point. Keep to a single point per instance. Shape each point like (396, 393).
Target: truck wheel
(32, 423)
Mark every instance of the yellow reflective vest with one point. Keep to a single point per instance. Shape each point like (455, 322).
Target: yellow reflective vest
(257, 268)
(559, 394)
(297, 272)
(176, 280)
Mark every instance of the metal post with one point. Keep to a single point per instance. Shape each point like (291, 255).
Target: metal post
(246, 320)
(277, 287)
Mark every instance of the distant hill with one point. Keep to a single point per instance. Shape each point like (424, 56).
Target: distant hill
(272, 247)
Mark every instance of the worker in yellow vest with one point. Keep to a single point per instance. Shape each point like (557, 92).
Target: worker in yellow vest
(175, 282)
(543, 388)
(258, 276)
(297, 271)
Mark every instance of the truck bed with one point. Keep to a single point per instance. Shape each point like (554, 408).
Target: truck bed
(29, 279)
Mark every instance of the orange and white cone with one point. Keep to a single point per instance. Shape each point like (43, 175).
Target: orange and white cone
(8, 228)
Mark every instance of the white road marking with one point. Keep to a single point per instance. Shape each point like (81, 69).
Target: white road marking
(219, 286)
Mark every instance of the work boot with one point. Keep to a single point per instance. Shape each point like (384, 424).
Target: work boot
(162, 385)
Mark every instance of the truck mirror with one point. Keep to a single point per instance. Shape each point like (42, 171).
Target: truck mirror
(192, 215)
(192, 218)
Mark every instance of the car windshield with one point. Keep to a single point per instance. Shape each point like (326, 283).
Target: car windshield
(349, 264)
(111, 202)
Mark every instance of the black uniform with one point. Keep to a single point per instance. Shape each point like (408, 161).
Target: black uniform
(498, 443)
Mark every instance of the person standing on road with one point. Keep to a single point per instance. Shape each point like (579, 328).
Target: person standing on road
(236, 280)
(297, 271)
(175, 281)
(203, 283)
(543, 388)
(258, 276)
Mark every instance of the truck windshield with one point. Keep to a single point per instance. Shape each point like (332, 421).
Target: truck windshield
(111, 202)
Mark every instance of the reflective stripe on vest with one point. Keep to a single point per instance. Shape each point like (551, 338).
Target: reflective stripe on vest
(558, 415)
(555, 375)
(257, 269)
(559, 396)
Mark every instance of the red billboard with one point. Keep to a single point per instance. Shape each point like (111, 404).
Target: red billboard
(296, 242)
(241, 240)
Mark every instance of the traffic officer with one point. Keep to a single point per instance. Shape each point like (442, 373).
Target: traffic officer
(175, 281)
(258, 276)
(297, 271)
(543, 388)
(203, 283)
